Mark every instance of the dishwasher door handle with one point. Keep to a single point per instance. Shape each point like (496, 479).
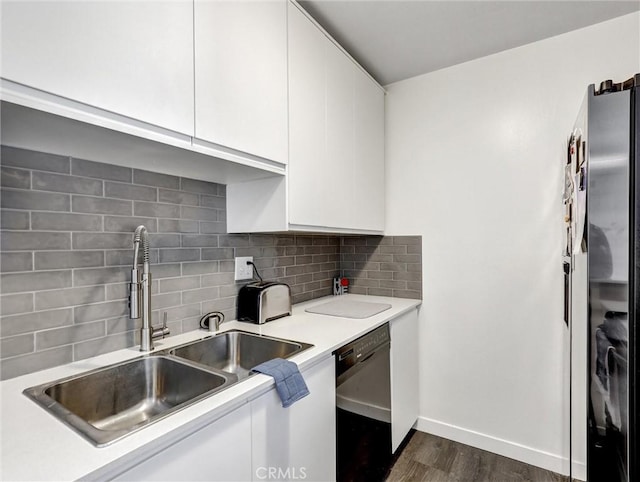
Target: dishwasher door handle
(344, 355)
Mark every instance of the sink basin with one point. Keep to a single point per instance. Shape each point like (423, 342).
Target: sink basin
(106, 404)
(237, 351)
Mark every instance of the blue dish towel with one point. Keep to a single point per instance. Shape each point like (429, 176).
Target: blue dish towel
(289, 382)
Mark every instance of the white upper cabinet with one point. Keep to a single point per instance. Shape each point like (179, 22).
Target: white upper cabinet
(336, 137)
(132, 58)
(368, 156)
(339, 178)
(241, 76)
(307, 120)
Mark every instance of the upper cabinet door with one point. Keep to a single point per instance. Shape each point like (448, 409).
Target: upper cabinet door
(241, 75)
(339, 177)
(133, 58)
(368, 158)
(307, 122)
(336, 135)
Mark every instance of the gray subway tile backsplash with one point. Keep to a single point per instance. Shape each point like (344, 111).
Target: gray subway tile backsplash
(14, 219)
(49, 299)
(218, 253)
(98, 205)
(32, 362)
(194, 185)
(16, 345)
(45, 181)
(40, 161)
(99, 170)
(100, 276)
(67, 259)
(98, 346)
(179, 284)
(202, 240)
(19, 261)
(179, 254)
(36, 321)
(46, 221)
(34, 240)
(178, 197)
(102, 240)
(216, 202)
(14, 304)
(160, 210)
(162, 240)
(99, 311)
(126, 224)
(69, 334)
(384, 266)
(122, 257)
(18, 178)
(178, 226)
(67, 254)
(38, 200)
(148, 178)
(120, 190)
(35, 281)
(201, 267)
(201, 214)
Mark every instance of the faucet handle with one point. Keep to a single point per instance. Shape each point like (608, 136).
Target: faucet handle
(165, 329)
(161, 331)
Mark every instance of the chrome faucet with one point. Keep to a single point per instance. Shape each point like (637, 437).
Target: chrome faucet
(140, 293)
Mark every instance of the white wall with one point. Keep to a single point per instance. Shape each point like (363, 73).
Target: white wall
(474, 164)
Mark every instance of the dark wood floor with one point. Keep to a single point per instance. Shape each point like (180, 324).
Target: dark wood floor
(433, 459)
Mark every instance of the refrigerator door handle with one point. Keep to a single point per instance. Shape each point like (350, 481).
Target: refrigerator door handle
(566, 266)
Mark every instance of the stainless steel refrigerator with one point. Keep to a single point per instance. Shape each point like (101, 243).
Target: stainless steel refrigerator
(602, 282)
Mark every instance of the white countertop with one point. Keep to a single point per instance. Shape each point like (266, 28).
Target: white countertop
(37, 446)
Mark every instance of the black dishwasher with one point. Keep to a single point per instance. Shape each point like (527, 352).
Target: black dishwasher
(363, 408)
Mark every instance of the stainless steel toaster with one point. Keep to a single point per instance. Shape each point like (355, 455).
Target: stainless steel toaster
(264, 301)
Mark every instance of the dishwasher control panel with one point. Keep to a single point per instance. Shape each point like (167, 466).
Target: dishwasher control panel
(359, 350)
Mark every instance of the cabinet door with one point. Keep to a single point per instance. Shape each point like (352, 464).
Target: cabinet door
(368, 157)
(299, 442)
(336, 134)
(134, 58)
(307, 123)
(220, 451)
(339, 162)
(241, 75)
(404, 375)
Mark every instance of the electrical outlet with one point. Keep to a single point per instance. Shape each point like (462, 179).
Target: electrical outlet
(243, 270)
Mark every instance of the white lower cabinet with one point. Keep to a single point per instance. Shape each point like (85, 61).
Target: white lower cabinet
(299, 442)
(404, 375)
(258, 441)
(220, 451)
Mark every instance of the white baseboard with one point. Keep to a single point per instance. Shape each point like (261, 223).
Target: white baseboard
(529, 455)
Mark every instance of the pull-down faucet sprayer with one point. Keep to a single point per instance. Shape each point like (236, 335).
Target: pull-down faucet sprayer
(140, 292)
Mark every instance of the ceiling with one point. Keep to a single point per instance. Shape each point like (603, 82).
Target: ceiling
(398, 39)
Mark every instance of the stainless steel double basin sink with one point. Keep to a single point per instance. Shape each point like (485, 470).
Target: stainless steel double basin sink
(108, 403)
